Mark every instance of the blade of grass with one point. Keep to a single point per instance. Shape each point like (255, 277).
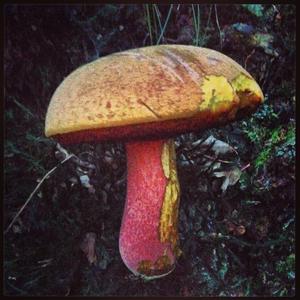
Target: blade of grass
(198, 18)
(165, 25)
(196, 21)
(195, 24)
(148, 19)
(154, 20)
(157, 13)
(208, 21)
(218, 25)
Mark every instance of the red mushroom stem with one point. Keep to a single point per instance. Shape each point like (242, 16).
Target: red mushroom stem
(149, 237)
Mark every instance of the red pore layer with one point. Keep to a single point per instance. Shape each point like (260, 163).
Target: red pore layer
(139, 243)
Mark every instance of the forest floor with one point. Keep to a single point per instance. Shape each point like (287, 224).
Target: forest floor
(237, 239)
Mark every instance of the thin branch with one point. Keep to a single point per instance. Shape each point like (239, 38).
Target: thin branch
(245, 167)
(217, 159)
(35, 190)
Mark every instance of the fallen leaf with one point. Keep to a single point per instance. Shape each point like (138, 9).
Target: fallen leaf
(232, 176)
(217, 146)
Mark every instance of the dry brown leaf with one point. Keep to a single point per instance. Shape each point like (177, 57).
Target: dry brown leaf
(217, 146)
(232, 176)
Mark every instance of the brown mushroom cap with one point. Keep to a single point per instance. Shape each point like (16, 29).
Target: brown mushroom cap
(151, 91)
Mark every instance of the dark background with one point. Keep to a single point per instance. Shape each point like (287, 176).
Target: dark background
(239, 242)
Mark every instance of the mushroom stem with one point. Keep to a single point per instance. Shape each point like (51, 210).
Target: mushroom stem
(149, 237)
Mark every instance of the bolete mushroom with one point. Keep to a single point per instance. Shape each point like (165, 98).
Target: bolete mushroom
(144, 97)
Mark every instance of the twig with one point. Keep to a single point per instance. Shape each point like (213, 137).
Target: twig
(187, 158)
(76, 159)
(248, 57)
(218, 25)
(35, 190)
(217, 159)
(245, 167)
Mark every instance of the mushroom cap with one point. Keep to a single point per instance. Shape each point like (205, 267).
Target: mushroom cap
(148, 92)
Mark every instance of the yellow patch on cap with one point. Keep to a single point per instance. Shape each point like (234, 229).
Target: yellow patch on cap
(243, 86)
(243, 83)
(217, 91)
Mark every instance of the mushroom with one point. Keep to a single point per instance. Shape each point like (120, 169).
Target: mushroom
(145, 97)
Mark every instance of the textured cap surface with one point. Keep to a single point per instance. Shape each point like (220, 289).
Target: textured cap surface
(145, 90)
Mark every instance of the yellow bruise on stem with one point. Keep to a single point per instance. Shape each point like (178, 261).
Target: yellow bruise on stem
(168, 226)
